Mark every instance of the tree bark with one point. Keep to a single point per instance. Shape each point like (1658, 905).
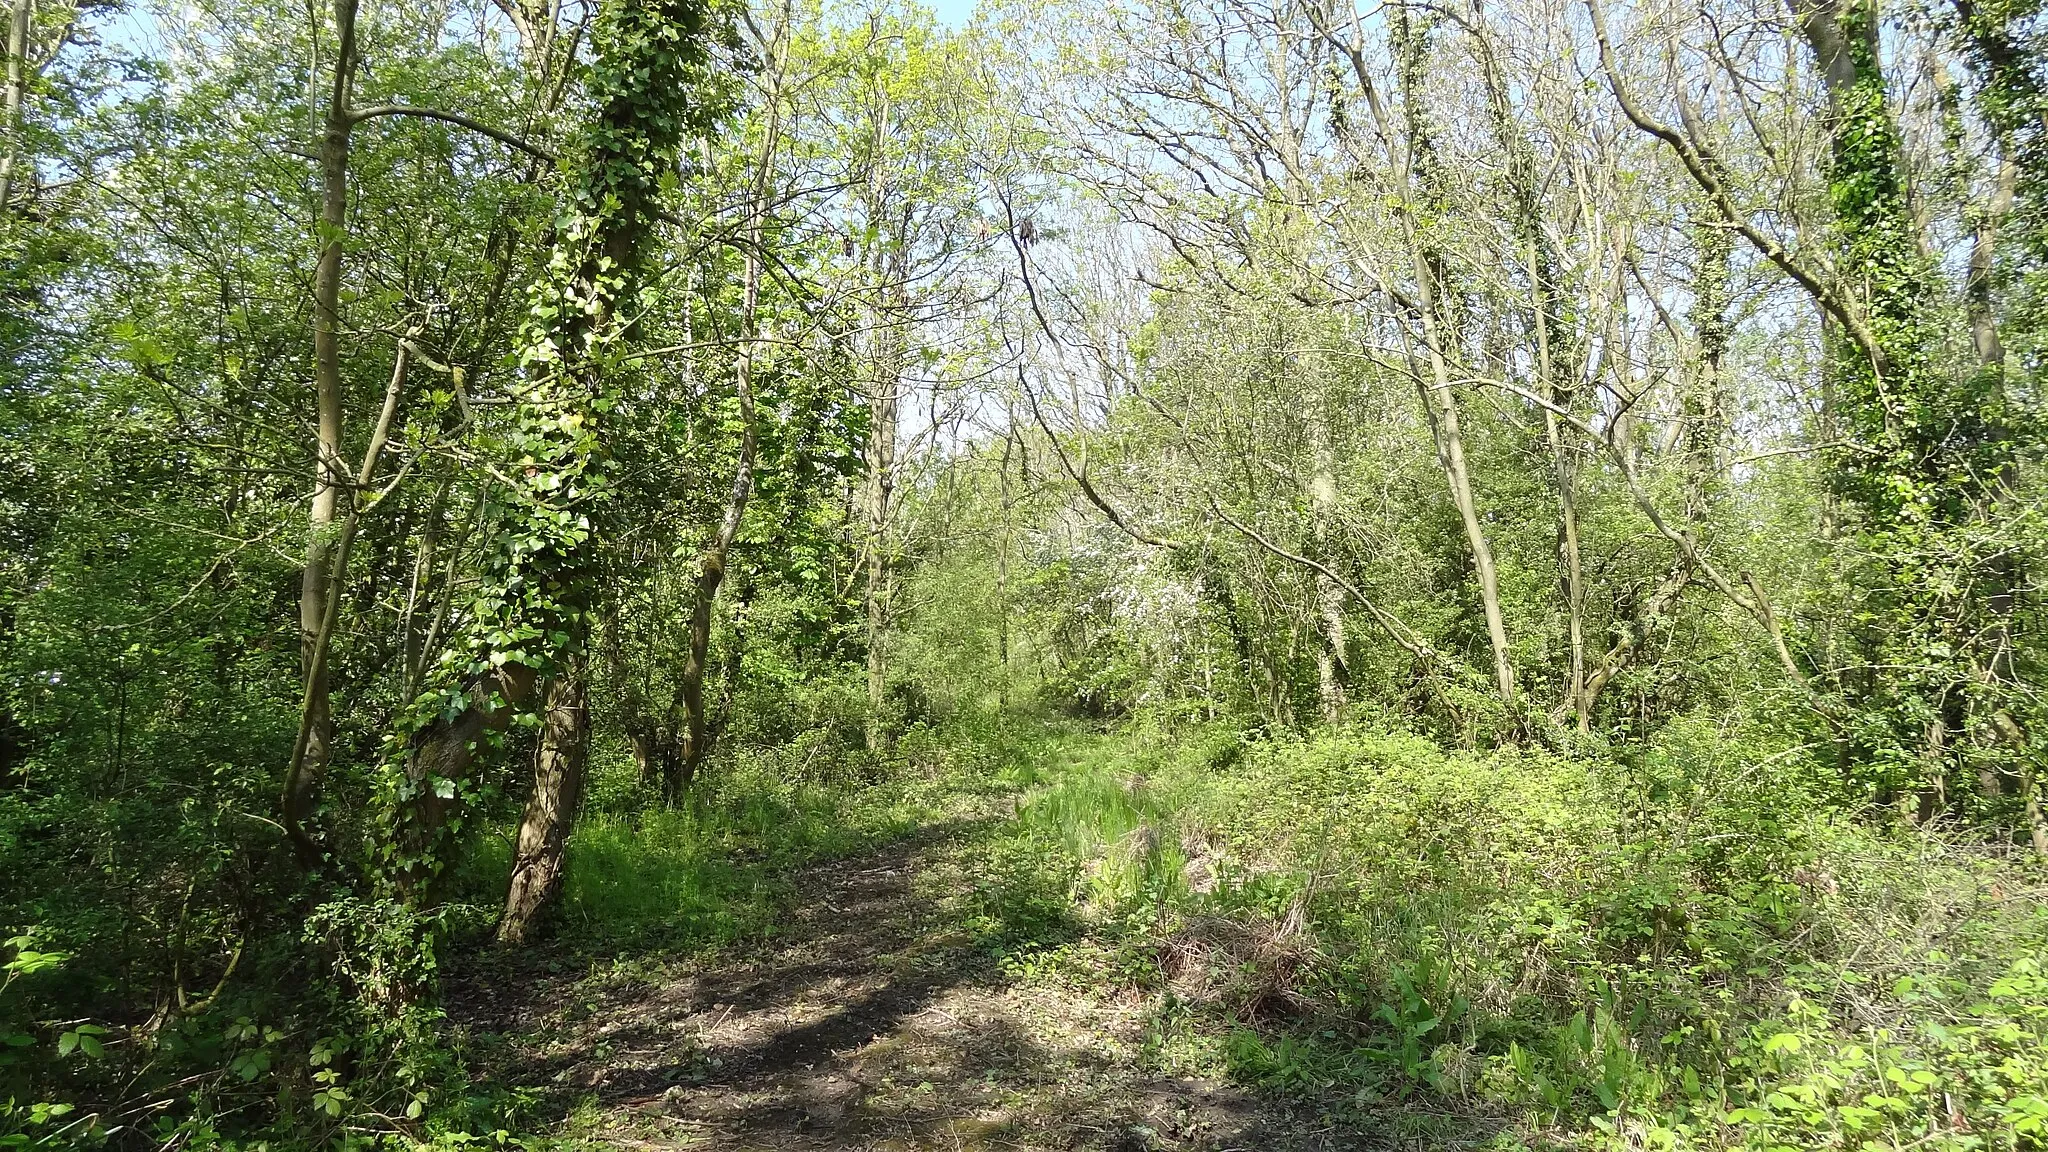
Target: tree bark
(1990, 718)
(316, 582)
(1571, 577)
(646, 754)
(540, 851)
(1212, 585)
(720, 714)
(1003, 572)
(1554, 341)
(1705, 409)
(310, 747)
(437, 762)
(1333, 670)
(883, 402)
(2037, 821)
(1563, 470)
(1441, 405)
(410, 627)
(1433, 312)
(19, 23)
(680, 771)
(542, 576)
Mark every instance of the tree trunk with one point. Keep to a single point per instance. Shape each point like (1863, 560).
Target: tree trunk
(729, 676)
(437, 763)
(680, 771)
(1435, 315)
(1442, 408)
(881, 483)
(411, 629)
(1214, 587)
(1564, 474)
(1554, 344)
(316, 581)
(1003, 565)
(540, 851)
(711, 574)
(646, 755)
(1003, 612)
(1333, 671)
(1989, 715)
(309, 749)
(2037, 821)
(1705, 410)
(1930, 449)
(542, 578)
(20, 20)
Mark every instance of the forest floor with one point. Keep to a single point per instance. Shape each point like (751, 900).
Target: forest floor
(872, 1018)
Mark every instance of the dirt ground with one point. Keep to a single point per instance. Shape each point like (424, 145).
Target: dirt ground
(868, 1022)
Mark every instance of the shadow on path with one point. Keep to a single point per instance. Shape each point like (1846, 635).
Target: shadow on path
(868, 1022)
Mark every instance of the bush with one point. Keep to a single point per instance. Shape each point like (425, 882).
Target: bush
(1687, 945)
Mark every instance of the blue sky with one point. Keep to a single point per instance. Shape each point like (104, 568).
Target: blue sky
(952, 12)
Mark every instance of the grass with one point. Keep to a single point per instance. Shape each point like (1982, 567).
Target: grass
(718, 868)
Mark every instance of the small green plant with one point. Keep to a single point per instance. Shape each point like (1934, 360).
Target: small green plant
(1423, 1012)
(39, 1123)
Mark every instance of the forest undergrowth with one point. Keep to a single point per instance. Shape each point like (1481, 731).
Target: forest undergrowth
(1672, 950)
(1516, 949)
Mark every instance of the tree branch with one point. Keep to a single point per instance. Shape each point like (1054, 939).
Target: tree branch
(1703, 167)
(358, 115)
(1396, 631)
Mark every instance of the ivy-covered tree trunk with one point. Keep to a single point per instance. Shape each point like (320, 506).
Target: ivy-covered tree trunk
(2008, 256)
(647, 52)
(1704, 406)
(538, 590)
(1926, 435)
(448, 730)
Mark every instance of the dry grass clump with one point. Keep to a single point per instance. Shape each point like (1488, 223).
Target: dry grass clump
(1249, 967)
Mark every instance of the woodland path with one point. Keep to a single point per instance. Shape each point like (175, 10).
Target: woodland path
(868, 1022)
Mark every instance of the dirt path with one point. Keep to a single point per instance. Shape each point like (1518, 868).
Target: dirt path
(869, 1023)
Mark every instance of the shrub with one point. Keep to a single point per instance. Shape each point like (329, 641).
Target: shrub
(1687, 944)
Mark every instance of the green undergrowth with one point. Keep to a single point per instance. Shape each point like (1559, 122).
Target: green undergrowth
(719, 868)
(1687, 944)
(1031, 871)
